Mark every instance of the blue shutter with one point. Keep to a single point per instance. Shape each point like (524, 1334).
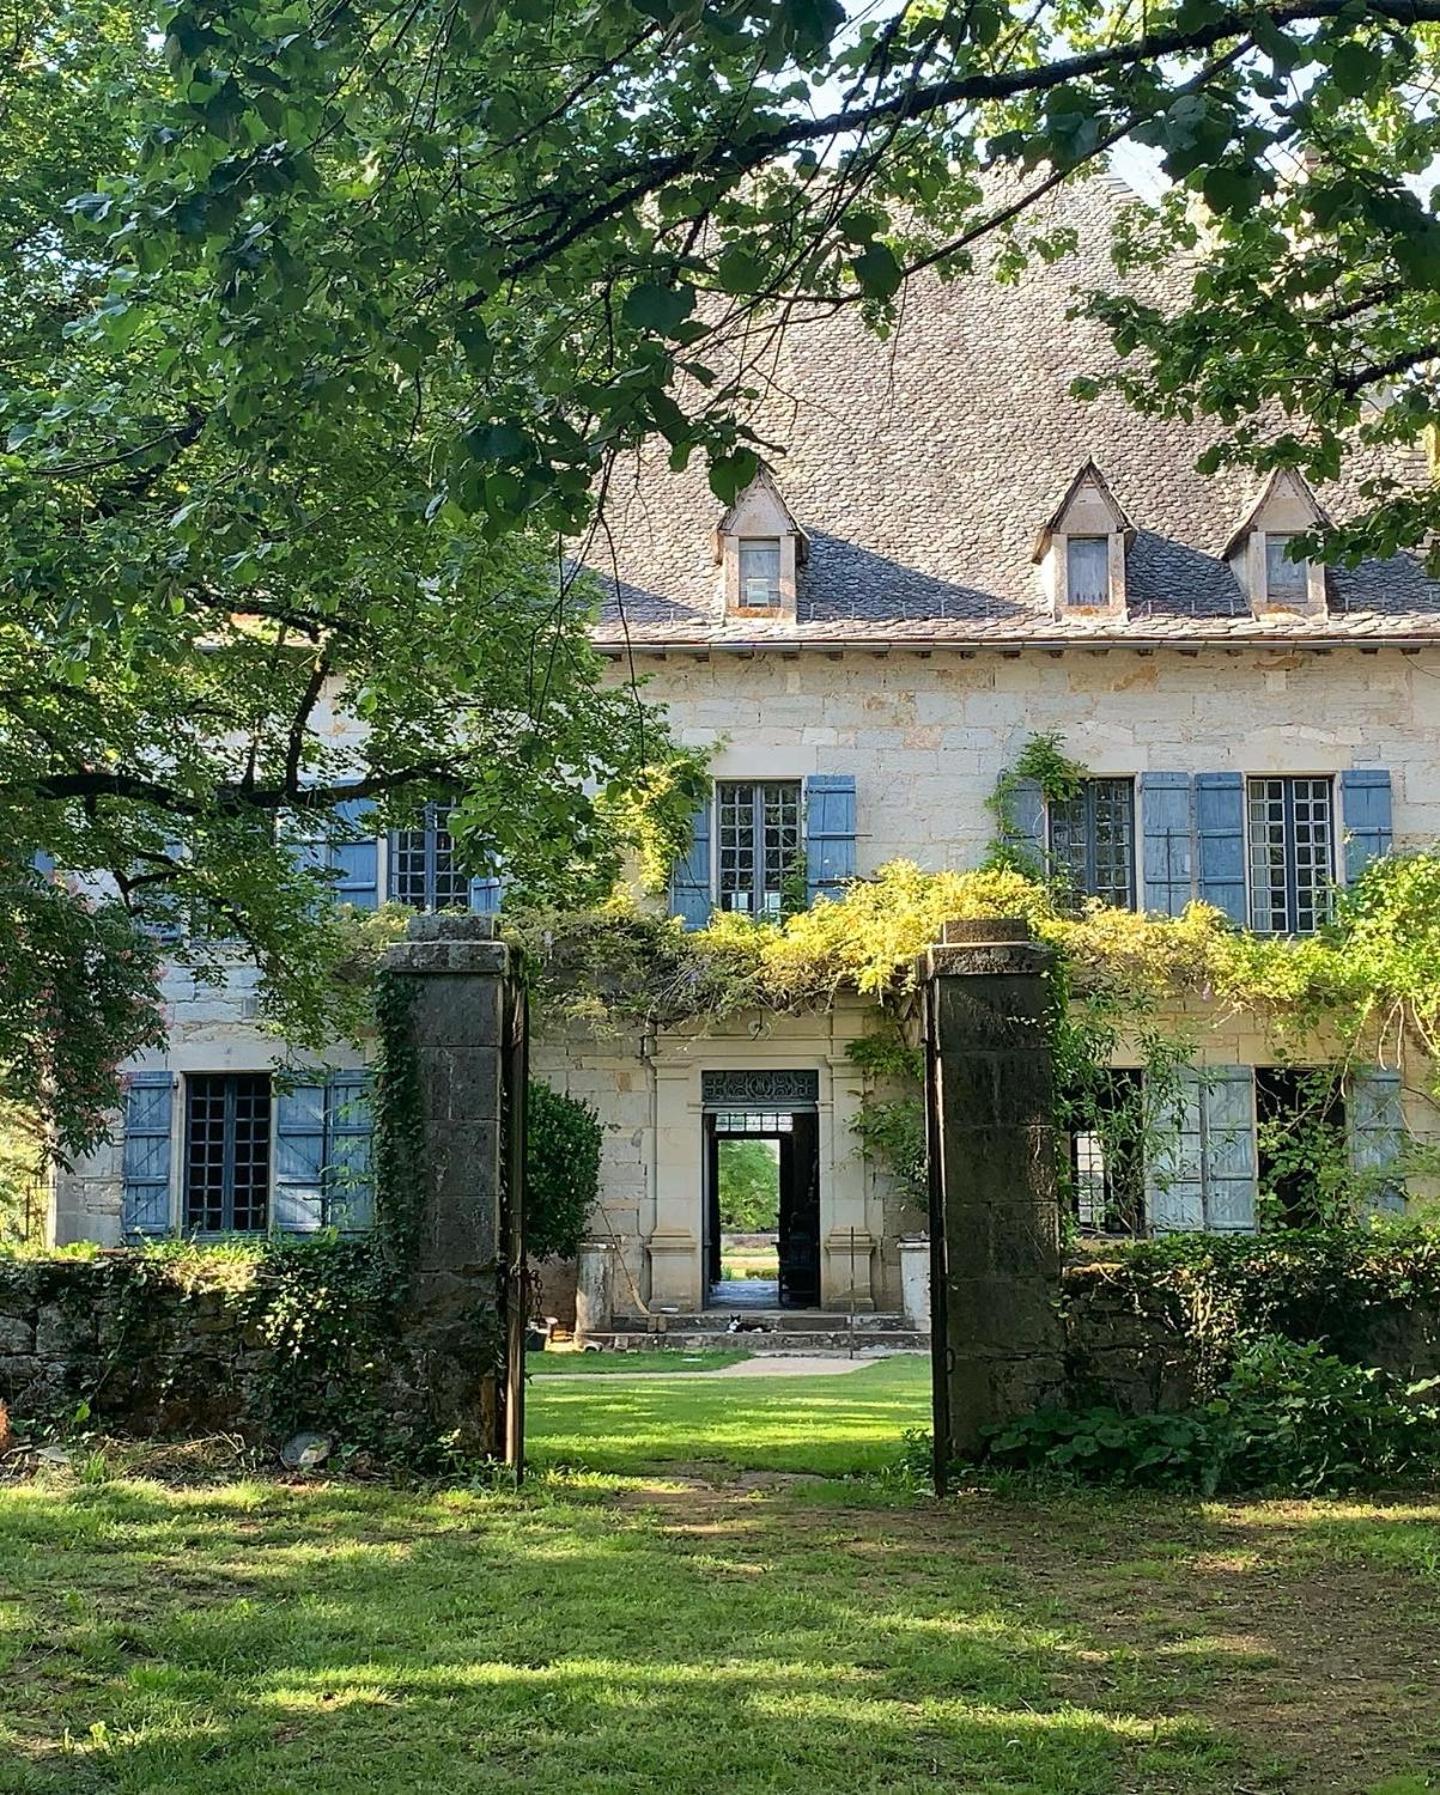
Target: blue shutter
(1374, 1110)
(485, 896)
(1167, 853)
(829, 834)
(1174, 1167)
(1227, 1101)
(690, 886)
(1025, 831)
(300, 1158)
(145, 1153)
(1220, 842)
(1365, 807)
(355, 855)
(349, 1177)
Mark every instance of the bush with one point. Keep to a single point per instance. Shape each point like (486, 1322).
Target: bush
(1288, 1418)
(562, 1171)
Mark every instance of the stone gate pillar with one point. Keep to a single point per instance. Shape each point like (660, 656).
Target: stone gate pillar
(455, 1026)
(994, 1205)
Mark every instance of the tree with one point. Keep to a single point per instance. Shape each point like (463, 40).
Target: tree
(357, 306)
(232, 632)
(561, 230)
(749, 1185)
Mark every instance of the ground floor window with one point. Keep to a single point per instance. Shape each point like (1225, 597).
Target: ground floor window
(1300, 1141)
(227, 1153)
(1107, 1158)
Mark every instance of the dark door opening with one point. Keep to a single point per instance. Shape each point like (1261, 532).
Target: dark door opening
(1300, 1136)
(762, 1209)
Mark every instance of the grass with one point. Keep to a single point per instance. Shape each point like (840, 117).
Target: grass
(643, 1362)
(831, 1425)
(703, 1629)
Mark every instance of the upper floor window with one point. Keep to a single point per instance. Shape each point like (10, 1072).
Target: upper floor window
(1092, 840)
(1292, 854)
(1087, 570)
(227, 1153)
(1284, 577)
(760, 573)
(759, 844)
(423, 870)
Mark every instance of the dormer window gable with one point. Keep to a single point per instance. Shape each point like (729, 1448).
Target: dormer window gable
(759, 549)
(1261, 549)
(1081, 549)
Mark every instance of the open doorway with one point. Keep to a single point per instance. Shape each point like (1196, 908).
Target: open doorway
(762, 1209)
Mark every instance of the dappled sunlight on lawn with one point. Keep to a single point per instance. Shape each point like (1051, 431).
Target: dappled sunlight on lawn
(829, 1425)
(629, 1634)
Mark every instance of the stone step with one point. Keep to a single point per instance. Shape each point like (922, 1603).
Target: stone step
(791, 1341)
(781, 1321)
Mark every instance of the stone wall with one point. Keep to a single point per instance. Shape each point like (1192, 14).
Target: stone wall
(195, 1348)
(1131, 1348)
(926, 738)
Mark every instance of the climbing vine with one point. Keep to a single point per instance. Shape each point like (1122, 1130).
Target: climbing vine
(1129, 986)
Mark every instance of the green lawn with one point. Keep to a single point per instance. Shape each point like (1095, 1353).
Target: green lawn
(833, 1425)
(691, 1631)
(643, 1362)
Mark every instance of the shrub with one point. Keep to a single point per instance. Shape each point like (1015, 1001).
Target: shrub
(1289, 1417)
(562, 1171)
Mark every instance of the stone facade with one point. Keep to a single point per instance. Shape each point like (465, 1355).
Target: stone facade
(916, 648)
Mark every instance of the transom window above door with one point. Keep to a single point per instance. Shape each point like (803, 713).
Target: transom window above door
(758, 838)
(1092, 840)
(1292, 854)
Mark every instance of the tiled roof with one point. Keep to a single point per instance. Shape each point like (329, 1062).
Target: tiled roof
(923, 465)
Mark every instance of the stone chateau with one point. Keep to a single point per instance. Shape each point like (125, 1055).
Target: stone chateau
(951, 555)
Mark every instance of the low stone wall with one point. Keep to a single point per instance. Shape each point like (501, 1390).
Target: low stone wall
(1133, 1346)
(309, 1339)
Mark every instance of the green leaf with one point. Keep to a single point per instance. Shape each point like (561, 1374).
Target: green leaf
(658, 309)
(1354, 68)
(877, 271)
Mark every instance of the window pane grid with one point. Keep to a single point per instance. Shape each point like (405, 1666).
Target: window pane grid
(781, 810)
(1291, 854)
(227, 1154)
(752, 1121)
(760, 574)
(736, 813)
(758, 844)
(423, 872)
(1092, 840)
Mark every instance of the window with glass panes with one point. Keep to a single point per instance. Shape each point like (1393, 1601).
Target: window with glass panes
(423, 872)
(1292, 861)
(757, 842)
(760, 573)
(1092, 840)
(227, 1153)
(1283, 577)
(1087, 570)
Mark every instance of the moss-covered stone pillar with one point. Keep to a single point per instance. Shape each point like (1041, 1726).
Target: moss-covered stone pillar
(453, 976)
(995, 1217)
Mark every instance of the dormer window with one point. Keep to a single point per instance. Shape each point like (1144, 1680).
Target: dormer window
(760, 548)
(1285, 578)
(1081, 549)
(1259, 549)
(1087, 570)
(760, 573)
